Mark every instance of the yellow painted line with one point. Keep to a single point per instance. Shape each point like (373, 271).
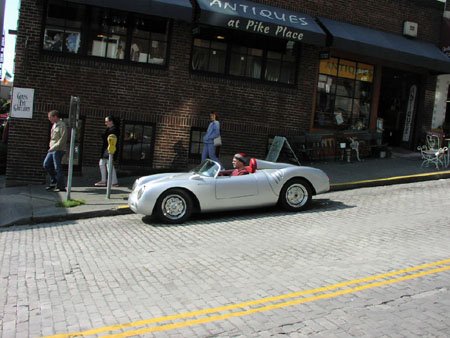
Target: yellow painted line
(251, 303)
(123, 206)
(393, 178)
(275, 306)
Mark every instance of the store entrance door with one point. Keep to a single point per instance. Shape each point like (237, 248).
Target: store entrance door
(398, 106)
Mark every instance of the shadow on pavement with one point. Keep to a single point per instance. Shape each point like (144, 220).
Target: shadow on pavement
(249, 214)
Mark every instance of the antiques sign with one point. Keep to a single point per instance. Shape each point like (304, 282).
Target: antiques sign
(22, 103)
(258, 18)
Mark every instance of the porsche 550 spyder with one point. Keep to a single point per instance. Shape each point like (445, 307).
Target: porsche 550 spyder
(173, 197)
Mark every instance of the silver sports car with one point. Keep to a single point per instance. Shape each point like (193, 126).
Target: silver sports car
(173, 197)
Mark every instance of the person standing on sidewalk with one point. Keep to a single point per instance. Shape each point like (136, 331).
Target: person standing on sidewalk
(213, 132)
(57, 146)
(111, 129)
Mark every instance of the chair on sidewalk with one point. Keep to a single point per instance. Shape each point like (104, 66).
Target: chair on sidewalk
(354, 145)
(433, 156)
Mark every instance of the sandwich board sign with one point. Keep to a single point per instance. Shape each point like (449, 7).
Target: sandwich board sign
(275, 149)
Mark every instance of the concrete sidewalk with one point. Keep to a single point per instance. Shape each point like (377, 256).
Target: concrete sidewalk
(33, 204)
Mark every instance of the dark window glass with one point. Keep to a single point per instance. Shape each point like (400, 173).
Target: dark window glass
(258, 60)
(196, 143)
(149, 40)
(106, 33)
(281, 67)
(246, 61)
(63, 27)
(209, 56)
(137, 144)
(343, 101)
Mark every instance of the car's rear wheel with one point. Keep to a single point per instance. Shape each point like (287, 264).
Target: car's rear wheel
(174, 206)
(296, 195)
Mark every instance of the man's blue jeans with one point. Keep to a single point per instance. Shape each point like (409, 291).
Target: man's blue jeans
(52, 164)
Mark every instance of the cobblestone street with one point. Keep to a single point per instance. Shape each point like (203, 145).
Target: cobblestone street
(95, 276)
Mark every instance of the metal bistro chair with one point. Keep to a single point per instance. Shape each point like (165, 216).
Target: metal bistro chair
(433, 156)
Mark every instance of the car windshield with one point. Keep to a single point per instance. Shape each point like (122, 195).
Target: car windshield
(207, 168)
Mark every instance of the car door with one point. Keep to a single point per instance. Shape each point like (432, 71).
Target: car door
(232, 187)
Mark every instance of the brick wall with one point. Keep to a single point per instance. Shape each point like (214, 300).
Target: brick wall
(173, 98)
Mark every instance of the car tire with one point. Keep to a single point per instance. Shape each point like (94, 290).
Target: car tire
(296, 195)
(174, 206)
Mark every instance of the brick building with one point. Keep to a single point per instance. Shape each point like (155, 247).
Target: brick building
(269, 67)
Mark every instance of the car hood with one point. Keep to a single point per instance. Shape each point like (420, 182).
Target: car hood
(159, 178)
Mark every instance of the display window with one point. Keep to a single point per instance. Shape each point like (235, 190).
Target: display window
(344, 95)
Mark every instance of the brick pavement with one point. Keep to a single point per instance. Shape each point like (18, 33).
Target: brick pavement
(80, 275)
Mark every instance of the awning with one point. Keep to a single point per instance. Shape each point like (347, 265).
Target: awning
(261, 19)
(175, 9)
(386, 46)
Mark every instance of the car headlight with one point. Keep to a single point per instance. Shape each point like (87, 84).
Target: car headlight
(140, 192)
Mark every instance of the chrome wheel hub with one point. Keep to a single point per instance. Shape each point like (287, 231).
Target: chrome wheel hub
(296, 195)
(174, 206)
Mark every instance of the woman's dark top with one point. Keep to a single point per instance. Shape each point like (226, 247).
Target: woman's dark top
(109, 131)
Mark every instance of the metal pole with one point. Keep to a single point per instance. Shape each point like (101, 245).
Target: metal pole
(74, 115)
(71, 152)
(109, 181)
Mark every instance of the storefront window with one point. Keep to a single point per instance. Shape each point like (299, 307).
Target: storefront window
(255, 60)
(107, 33)
(344, 95)
(137, 144)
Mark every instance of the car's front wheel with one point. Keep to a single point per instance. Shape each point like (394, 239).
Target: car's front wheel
(296, 195)
(174, 206)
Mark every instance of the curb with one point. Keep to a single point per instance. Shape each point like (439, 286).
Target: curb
(390, 181)
(121, 210)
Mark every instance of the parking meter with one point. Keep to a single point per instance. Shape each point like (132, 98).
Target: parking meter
(112, 141)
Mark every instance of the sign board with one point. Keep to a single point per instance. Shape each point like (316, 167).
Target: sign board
(409, 113)
(275, 149)
(22, 103)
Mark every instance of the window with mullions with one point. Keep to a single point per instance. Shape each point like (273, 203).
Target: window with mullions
(63, 27)
(137, 144)
(196, 143)
(344, 95)
(209, 56)
(149, 41)
(108, 34)
(259, 60)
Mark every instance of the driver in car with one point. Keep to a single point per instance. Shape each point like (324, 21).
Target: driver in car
(239, 162)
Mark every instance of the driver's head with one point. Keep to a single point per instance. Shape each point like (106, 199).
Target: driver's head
(239, 160)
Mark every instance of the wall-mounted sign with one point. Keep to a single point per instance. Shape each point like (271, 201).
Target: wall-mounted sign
(410, 113)
(262, 19)
(22, 103)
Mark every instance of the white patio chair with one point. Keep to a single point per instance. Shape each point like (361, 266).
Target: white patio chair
(432, 156)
